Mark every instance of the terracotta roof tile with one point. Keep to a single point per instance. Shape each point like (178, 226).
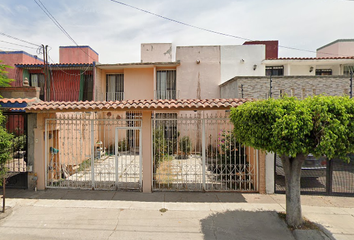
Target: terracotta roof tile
(137, 104)
(18, 100)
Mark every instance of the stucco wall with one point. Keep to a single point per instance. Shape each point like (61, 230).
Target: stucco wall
(241, 60)
(299, 86)
(198, 80)
(156, 52)
(139, 83)
(77, 54)
(341, 48)
(17, 57)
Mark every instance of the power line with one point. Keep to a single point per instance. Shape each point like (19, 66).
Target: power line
(18, 39)
(17, 44)
(61, 28)
(207, 30)
(46, 11)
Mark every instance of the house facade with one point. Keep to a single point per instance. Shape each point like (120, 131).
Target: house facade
(179, 140)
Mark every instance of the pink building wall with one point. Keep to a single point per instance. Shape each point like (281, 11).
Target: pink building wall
(338, 48)
(17, 57)
(77, 54)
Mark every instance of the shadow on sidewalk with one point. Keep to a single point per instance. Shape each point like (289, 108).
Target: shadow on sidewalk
(241, 224)
(65, 194)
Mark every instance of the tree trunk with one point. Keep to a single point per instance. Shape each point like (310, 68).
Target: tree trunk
(292, 170)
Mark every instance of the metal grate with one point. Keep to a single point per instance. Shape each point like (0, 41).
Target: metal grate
(85, 151)
(199, 153)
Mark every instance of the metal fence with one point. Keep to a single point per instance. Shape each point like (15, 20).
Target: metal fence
(16, 123)
(91, 151)
(198, 152)
(334, 177)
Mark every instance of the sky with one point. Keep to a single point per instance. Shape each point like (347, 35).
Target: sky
(116, 31)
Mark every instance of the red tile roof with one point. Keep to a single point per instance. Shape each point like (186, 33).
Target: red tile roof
(180, 104)
(18, 100)
(309, 58)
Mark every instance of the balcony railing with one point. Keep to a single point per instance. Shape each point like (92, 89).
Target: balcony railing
(168, 94)
(114, 96)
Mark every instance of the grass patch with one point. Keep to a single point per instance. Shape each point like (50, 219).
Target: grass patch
(84, 165)
(306, 224)
(164, 172)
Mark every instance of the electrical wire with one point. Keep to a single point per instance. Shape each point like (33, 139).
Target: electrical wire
(61, 28)
(17, 44)
(18, 39)
(208, 30)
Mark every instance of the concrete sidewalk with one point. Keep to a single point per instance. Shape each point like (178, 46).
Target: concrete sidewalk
(77, 214)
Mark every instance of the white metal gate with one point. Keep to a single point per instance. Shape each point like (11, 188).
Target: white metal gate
(198, 152)
(87, 152)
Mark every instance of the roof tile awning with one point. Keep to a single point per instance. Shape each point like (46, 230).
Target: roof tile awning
(179, 104)
(16, 104)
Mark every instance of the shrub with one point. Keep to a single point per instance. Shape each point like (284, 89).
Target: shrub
(185, 145)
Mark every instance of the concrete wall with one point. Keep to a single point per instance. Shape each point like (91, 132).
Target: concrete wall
(299, 86)
(31, 125)
(156, 52)
(337, 49)
(77, 54)
(241, 61)
(20, 92)
(198, 76)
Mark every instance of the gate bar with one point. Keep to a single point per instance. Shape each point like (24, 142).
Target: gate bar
(92, 153)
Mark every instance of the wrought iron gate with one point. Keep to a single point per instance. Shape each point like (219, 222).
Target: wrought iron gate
(87, 152)
(199, 153)
(16, 123)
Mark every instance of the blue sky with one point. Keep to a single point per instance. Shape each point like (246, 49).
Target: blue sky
(116, 31)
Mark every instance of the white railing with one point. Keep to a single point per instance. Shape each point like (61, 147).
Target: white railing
(168, 94)
(114, 96)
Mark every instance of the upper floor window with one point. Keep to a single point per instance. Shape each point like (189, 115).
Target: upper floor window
(274, 70)
(37, 80)
(166, 84)
(115, 87)
(87, 94)
(323, 72)
(348, 69)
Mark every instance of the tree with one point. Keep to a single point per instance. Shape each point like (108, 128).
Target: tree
(4, 80)
(292, 128)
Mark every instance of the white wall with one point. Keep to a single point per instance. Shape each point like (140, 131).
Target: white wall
(156, 52)
(198, 75)
(239, 60)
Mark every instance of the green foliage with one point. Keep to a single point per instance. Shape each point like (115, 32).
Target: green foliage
(19, 143)
(159, 145)
(231, 151)
(321, 125)
(185, 145)
(4, 80)
(5, 146)
(122, 146)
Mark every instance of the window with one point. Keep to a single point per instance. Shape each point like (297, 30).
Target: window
(274, 70)
(348, 69)
(115, 87)
(37, 80)
(168, 122)
(88, 88)
(166, 84)
(323, 72)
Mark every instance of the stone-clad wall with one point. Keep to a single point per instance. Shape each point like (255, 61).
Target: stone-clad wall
(299, 86)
